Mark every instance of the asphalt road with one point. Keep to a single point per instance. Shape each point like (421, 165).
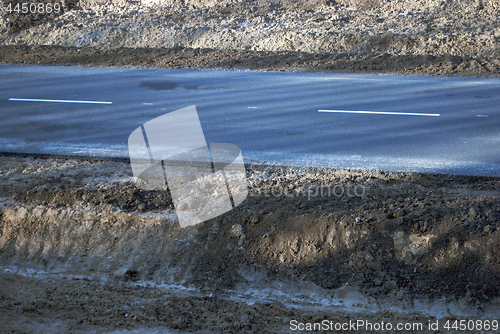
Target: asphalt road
(427, 124)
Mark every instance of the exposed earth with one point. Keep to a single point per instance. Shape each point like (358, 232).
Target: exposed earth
(433, 37)
(83, 249)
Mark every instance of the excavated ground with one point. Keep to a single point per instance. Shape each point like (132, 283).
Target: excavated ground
(431, 37)
(82, 249)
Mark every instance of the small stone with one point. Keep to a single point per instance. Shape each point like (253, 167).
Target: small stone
(237, 230)
(254, 220)
(398, 213)
(473, 212)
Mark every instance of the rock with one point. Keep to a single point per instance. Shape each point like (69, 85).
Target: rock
(254, 220)
(473, 212)
(237, 231)
(398, 213)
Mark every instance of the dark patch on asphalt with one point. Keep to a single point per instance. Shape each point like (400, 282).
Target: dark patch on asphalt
(167, 85)
(159, 85)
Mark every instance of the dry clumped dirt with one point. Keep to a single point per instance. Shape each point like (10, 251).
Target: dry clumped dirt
(82, 249)
(439, 37)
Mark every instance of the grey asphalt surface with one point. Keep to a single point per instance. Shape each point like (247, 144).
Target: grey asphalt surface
(272, 117)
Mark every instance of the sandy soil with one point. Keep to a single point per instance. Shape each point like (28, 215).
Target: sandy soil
(82, 249)
(418, 37)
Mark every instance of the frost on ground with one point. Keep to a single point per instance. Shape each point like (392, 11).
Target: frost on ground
(82, 249)
(424, 36)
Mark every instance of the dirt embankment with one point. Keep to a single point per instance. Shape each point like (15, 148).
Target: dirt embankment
(423, 37)
(307, 244)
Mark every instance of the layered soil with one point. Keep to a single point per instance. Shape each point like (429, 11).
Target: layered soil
(82, 248)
